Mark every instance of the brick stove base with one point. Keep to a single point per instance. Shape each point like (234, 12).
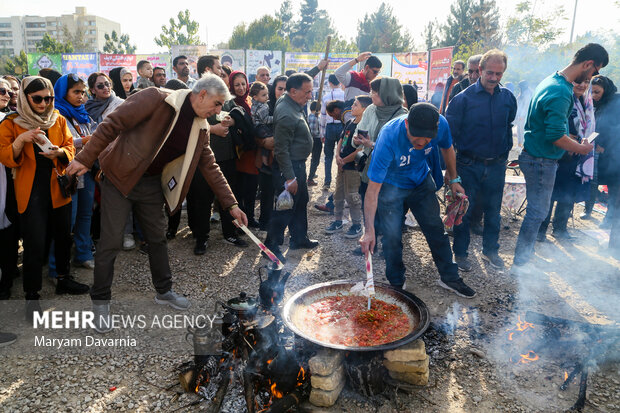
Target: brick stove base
(408, 363)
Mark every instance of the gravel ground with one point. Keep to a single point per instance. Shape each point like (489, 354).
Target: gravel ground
(471, 369)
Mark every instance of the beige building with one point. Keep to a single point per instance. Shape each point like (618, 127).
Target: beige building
(23, 32)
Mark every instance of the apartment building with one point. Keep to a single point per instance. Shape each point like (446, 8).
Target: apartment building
(23, 32)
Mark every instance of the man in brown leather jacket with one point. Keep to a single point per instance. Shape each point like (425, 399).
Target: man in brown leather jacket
(149, 148)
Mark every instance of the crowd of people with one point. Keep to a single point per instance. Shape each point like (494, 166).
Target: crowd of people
(98, 163)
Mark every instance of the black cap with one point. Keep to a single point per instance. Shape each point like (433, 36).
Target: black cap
(423, 120)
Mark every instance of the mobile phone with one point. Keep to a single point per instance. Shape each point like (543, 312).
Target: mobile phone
(592, 137)
(362, 134)
(47, 146)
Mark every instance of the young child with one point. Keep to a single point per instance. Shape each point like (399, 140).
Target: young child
(348, 178)
(145, 72)
(263, 123)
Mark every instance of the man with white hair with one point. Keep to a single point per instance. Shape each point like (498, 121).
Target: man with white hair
(263, 74)
(160, 138)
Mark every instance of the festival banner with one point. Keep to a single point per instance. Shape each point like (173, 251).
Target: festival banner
(82, 64)
(158, 60)
(302, 62)
(235, 59)
(108, 62)
(193, 52)
(257, 58)
(440, 64)
(411, 68)
(38, 61)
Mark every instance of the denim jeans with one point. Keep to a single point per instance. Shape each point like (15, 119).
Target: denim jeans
(560, 219)
(332, 134)
(484, 185)
(81, 215)
(539, 176)
(425, 208)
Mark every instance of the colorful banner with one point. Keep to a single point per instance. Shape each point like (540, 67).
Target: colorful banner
(411, 68)
(302, 62)
(235, 59)
(38, 61)
(440, 64)
(268, 58)
(108, 62)
(82, 64)
(193, 52)
(386, 63)
(158, 60)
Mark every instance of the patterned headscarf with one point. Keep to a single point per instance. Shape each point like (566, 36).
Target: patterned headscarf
(29, 119)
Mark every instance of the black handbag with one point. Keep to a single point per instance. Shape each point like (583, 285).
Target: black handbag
(67, 183)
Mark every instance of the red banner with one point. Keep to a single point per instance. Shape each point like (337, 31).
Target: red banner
(440, 65)
(108, 62)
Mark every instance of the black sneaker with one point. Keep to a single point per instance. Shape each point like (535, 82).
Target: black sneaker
(354, 232)
(237, 242)
(67, 285)
(563, 236)
(200, 248)
(494, 260)
(458, 287)
(463, 263)
(304, 244)
(334, 227)
(7, 339)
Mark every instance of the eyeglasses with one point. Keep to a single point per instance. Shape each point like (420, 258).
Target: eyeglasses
(37, 99)
(4, 92)
(103, 85)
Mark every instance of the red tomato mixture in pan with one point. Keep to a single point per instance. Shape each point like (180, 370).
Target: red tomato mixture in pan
(346, 320)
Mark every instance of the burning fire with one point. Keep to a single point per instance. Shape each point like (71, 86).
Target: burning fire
(527, 358)
(565, 375)
(275, 392)
(521, 327)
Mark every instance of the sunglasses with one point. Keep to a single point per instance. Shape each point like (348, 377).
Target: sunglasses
(103, 85)
(37, 99)
(4, 92)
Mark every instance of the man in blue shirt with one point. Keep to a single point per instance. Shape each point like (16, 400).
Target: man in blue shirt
(399, 173)
(480, 120)
(546, 141)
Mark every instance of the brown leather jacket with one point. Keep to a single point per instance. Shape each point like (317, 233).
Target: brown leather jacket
(142, 124)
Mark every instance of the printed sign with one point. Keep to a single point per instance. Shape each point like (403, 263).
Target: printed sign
(193, 52)
(82, 64)
(411, 68)
(108, 62)
(38, 61)
(268, 58)
(158, 60)
(235, 59)
(440, 64)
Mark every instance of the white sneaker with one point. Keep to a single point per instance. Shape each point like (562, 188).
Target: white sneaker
(102, 318)
(173, 299)
(128, 242)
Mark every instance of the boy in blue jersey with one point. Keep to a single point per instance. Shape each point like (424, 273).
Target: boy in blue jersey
(399, 172)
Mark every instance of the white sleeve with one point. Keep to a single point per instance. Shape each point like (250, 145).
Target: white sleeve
(343, 75)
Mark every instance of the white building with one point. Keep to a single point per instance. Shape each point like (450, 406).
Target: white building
(23, 32)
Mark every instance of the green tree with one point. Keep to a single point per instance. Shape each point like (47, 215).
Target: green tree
(472, 22)
(430, 35)
(49, 45)
(380, 32)
(261, 34)
(527, 29)
(17, 66)
(285, 15)
(184, 32)
(485, 19)
(311, 31)
(77, 39)
(116, 44)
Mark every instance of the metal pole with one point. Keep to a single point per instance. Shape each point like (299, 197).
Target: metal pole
(572, 29)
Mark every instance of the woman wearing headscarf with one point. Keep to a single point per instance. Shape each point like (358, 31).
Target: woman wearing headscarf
(122, 82)
(607, 113)
(103, 99)
(572, 179)
(69, 98)
(45, 209)
(247, 172)
(387, 104)
(9, 223)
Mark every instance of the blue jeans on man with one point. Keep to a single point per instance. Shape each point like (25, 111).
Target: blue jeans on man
(539, 176)
(482, 183)
(332, 134)
(425, 208)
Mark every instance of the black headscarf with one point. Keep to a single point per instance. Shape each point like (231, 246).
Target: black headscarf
(116, 76)
(411, 94)
(272, 92)
(609, 89)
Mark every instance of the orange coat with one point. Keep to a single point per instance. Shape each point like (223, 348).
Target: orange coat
(25, 165)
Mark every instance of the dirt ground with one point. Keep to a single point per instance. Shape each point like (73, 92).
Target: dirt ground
(471, 367)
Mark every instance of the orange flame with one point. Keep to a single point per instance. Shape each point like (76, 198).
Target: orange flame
(528, 358)
(565, 376)
(520, 327)
(277, 394)
(301, 373)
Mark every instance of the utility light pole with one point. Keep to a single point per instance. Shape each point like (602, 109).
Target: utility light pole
(572, 29)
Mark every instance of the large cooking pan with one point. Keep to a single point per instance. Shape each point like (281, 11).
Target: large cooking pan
(295, 307)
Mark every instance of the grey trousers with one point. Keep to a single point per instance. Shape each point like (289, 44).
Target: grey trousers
(147, 200)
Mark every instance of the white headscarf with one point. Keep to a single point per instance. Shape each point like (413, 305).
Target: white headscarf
(29, 119)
